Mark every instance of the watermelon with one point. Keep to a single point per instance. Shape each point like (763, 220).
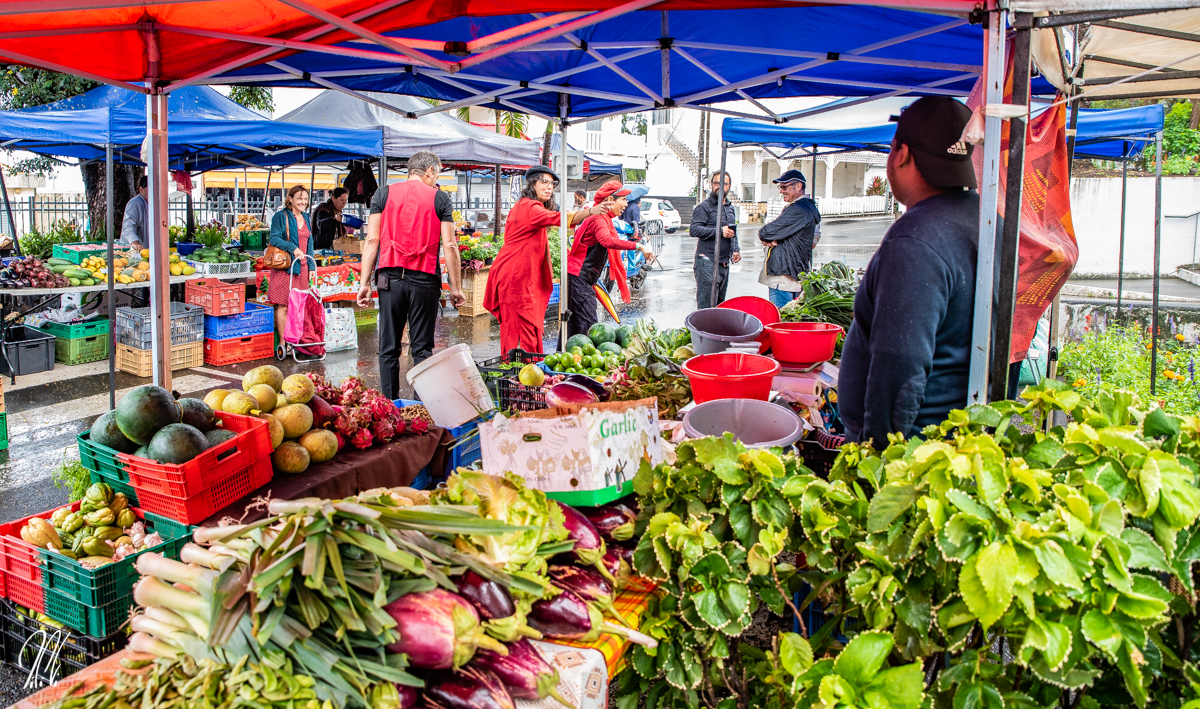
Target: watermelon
(607, 347)
(601, 333)
(623, 335)
(578, 341)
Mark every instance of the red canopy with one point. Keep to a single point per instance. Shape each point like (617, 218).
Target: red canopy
(184, 40)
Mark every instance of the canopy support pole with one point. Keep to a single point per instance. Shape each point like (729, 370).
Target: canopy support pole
(716, 262)
(564, 313)
(312, 183)
(1009, 246)
(8, 208)
(1121, 247)
(1052, 355)
(160, 285)
(981, 332)
(109, 228)
(1158, 142)
(383, 172)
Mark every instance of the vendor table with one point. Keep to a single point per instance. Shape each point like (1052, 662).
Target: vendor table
(394, 464)
(334, 283)
(580, 678)
(101, 287)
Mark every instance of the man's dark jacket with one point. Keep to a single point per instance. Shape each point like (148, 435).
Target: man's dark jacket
(704, 227)
(794, 230)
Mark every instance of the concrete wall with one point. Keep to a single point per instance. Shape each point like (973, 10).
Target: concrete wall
(1096, 211)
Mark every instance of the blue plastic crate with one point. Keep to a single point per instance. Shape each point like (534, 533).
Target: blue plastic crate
(256, 320)
(555, 295)
(466, 448)
(815, 616)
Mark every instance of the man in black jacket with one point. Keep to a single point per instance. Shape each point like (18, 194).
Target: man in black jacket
(327, 219)
(906, 360)
(789, 239)
(704, 228)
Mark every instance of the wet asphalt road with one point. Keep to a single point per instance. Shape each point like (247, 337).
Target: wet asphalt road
(44, 419)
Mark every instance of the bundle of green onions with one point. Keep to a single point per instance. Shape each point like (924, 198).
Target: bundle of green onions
(314, 583)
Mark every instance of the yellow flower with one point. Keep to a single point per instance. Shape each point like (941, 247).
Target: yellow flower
(1149, 346)
(1179, 337)
(1169, 374)
(1080, 382)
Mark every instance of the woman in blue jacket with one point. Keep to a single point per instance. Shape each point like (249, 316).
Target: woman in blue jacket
(292, 232)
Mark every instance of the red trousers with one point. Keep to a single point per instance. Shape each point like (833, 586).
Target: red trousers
(517, 330)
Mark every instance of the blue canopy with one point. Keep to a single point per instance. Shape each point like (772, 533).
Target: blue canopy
(206, 131)
(1096, 134)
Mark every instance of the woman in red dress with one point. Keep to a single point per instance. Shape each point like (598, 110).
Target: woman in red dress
(520, 282)
(290, 231)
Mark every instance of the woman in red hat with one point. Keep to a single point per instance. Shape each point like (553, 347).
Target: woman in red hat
(520, 282)
(597, 242)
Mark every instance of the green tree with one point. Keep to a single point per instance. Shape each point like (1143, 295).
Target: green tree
(633, 124)
(254, 97)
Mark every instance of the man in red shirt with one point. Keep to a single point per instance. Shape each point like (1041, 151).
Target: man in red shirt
(589, 253)
(408, 222)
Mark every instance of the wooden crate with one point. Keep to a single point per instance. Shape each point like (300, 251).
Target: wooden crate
(474, 283)
(140, 363)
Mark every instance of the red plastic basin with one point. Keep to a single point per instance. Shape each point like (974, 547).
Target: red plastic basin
(730, 375)
(803, 342)
(760, 308)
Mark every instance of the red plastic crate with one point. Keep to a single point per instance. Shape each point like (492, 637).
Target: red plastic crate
(196, 509)
(251, 444)
(239, 349)
(216, 297)
(27, 593)
(19, 560)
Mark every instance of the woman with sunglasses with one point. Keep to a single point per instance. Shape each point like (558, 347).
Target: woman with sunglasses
(520, 282)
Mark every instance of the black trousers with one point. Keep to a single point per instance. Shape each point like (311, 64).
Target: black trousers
(405, 297)
(582, 301)
(703, 268)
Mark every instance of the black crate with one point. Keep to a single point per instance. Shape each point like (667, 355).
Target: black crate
(492, 372)
(514, 396)
(50, 653)
(817, 458)
(28, 351)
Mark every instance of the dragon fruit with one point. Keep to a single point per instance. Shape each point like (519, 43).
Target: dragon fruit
(381, 409)
(344, 424)
(341, 440)
(361, 416)
(361, 439)
(382, 431)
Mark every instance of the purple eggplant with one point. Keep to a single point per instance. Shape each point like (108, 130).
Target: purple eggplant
(614, 522)
(501, 618)
(589, 585)
(589, 545)
(468, 688)
(612, 562)
(583, 380)
(438, 629)
(525, 673)
(569, 617)
(410, 697)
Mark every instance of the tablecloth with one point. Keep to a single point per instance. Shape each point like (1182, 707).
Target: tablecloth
(394, 464)
(334, 283)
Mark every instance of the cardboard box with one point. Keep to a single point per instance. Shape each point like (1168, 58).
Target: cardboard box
(575, 449)
(348, 244)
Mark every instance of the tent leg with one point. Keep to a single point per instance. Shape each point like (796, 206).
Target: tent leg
(160, 285)
(716, 262)
(312, 183)
(564, 313)
(109, 228)
(981, 333)
(1158, 141)
(8, 209)
(383, 172)
(1009, 246)
(1121, 247)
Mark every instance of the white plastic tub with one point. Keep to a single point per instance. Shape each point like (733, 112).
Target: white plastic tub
(449, 385)
(757, 424)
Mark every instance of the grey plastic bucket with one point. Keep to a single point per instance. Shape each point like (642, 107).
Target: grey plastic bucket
(713, 329)
(757, 424)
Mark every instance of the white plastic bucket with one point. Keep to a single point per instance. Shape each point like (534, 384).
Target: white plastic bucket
(449, 385)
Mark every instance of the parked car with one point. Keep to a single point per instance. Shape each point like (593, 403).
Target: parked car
(659, 215)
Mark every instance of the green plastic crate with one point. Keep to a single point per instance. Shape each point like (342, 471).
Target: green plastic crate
(111, 582)
(119, 486)
(362, 318)
(76, 330)
(592, 498)
(255, 240)
(77, 256)
(101, 459)
(3, 431)
(80, 350)
(97, 621)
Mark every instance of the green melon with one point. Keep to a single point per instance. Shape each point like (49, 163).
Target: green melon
(144, 410)
(196, 413)
(607, 347)
(105, 432)
(578, 341)
(218, 436)
(623, 335)
(601, 333)
(177, 443)
(142, 452)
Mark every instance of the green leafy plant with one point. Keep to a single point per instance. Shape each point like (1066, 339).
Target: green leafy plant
(1118, 357)
(211, 234)
(878, 186)
(72, 477)
(40, 244)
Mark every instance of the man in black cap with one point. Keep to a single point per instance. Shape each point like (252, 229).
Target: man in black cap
(704, 228)
(906, 359)
(789, 239)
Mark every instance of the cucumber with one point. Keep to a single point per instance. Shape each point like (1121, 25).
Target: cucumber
(59, 268)
(73, 281)
(87, 281)
(77, 273)
(56, 261)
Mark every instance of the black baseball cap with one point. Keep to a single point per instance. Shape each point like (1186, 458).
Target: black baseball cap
(932, 128)
(791, 176)
(531, 175)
